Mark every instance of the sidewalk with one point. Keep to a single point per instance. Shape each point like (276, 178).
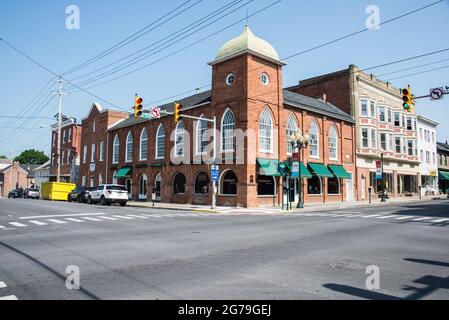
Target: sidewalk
(277, 210)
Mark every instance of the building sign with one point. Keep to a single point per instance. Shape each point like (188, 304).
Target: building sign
(295, 169)
(378, 170)
(92, 167)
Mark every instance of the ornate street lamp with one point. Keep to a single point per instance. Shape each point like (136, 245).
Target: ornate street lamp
(299, 142)
(382, 151)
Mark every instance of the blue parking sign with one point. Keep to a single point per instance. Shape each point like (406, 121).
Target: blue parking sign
(215, 173)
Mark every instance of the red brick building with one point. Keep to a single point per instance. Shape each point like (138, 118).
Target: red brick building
(255, 118)
(12, 175)
(94, 153)
(70, 151)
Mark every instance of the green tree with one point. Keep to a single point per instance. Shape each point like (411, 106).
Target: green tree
(32, 156)
(2, 157)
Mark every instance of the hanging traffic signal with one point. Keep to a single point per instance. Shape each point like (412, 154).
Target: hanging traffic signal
(407, 98)
(178, 112)
(138, 108)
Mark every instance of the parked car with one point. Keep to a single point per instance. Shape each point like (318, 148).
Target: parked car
(31, 193)
(109, 194)
(15, 193)
(80, 194)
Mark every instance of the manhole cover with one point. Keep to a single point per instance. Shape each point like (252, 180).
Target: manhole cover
(349, 265)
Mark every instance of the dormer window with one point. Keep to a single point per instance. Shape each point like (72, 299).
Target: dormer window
(230, 79)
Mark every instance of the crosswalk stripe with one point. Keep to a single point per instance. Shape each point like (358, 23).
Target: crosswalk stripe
(91, 219)
(56, 221)
(108, 218)
(124, 217)
(2, 227)
(386, 217)
(404, 218)
(2, 285)
(38, 223)
(9, 298)
(136, 216)
(75, 220)
(440, 220)
(17, 224)
(153, 215)
(373, 216)
(422, 219)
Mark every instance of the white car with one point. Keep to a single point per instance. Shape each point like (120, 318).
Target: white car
(108, 194)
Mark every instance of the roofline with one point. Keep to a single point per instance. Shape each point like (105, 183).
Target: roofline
(241, 52)
(324, 113)
(428, 120)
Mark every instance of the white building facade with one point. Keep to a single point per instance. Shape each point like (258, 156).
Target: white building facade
(427, 146)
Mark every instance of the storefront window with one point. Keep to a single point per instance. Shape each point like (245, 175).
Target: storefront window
(266, 186)
(314, 185)
(179, 185)
(202, 183)
(228, 184)
(333, 186)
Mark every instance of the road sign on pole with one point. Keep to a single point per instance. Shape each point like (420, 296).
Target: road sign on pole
(378, 170)
(215, 172)
(295, 169)
(436, 94)
(156, 113)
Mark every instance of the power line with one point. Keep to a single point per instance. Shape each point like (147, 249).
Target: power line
(24, 117)
(412, 68)
(419, 73)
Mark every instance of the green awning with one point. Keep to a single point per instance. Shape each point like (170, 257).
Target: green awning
(320, 170)
(340, 172)
(123, 172)
(269, 167)
(305, 173)
(443, 175)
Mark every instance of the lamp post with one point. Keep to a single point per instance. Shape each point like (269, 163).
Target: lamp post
(383, 177)
(299, 142)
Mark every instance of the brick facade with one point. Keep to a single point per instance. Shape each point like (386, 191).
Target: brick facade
(12, 176)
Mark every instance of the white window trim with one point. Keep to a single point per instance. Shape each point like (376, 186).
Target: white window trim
(333, 129)
(197, 142)
(85, 153)
(92, 153)
(183, 133)
(127, 160)
(317, 157)
(161, 126)
(116, 147)
(145, 158)
(101, 152)
(221, 127)
(271, 150)
(291, 119)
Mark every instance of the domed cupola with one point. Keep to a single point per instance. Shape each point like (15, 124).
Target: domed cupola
(247, 42)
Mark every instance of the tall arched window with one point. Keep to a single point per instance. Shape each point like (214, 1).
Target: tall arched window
(290, 128)
(333, 143)
(228, 132)
(179, 139)
(114, 177)
(266, 132)
(160, 142)
(314, 146)
(115, 149)
(129, 148)
(143, 184)
(179, 184)
(201, 136)
(144, 145)
(228, 183)
(202, 183)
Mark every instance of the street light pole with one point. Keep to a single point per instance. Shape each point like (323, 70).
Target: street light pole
(383, 178)
(300, 142)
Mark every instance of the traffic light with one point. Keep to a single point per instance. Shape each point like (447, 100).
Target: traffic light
(407, 98)
(178, 112)
(138, 107)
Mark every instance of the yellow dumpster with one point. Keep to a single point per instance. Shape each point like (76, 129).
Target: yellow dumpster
(56, 191)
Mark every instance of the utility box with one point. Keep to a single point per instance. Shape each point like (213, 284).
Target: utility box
(56, 191)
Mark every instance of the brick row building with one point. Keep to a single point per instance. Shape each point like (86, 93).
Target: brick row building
(255, 118)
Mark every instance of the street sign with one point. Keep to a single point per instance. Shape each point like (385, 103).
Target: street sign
(215, 172)
(295, 169)
(156, 113)
(146, 116)
(378, 170)
(436, 94)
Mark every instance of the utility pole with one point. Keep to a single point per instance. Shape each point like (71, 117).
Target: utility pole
(60, 93)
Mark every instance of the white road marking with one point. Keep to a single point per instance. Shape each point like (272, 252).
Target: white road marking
(9, 298)
(56, 221)
(440, 220)
(153, 215)
(136, 216)
(373, 216)
(63, 216)
(17, 224)
(91, 219)
(123, 217)
(422, 219)
(75, 220)
(38, 223)
(386, 217)
(2, 285)
(405, 218)
(344, 215)
(108, 218)
(2, 227)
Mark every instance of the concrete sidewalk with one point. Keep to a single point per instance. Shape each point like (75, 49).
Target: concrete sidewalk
(278, 210)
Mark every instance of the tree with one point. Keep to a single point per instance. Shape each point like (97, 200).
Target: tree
(2, 157)
(32, 156)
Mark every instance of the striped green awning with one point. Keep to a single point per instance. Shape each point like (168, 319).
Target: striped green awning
(123, 172)
(269, 167)
(443, 175)
(340, 172)
(320, 170)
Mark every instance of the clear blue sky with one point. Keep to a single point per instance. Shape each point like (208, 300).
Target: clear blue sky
(38, 28)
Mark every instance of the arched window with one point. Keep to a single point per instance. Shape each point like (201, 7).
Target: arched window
(333, 143)
(158, 186)
(115, 149)
(201, 136)
(179, 184)
(143, 183)
(228, 132)
(290, 128)
(202, 183)
(228, 183)
(314, 185)
(314, 146)
(266, 186)
(179, 139)
(144, 145)
(160, 142)
(266, 132)
(129, 148)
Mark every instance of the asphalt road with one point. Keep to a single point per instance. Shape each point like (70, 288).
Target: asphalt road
(134, 253)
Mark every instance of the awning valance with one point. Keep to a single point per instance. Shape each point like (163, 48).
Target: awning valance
(123, 172)
(269, 167)
(320, 170)
(340, 172)
(443, 175)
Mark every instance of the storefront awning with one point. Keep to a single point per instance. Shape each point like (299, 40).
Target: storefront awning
(123, 172)
(269, 167)
(305, 173)
(340, 172)
(443, 175)
(320, 170)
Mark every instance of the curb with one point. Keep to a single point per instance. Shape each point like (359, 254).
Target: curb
(172, 208)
